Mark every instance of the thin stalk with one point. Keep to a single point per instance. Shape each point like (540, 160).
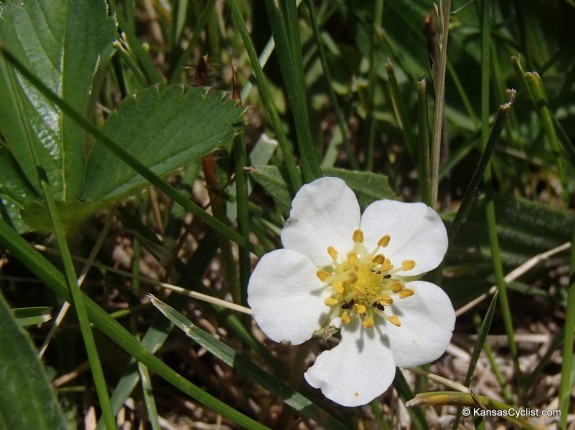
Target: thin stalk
(566, 366)
(333, 97)
(372, 82)
(122, 154)
(490, 207)
(439, 83)
(267, 99)
(424, 149)
(78, 302)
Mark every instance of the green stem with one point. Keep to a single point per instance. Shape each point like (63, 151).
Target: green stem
(566, 366)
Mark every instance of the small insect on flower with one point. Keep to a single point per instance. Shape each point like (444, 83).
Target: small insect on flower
(357, 273)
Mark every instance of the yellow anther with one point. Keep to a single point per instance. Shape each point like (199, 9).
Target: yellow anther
(406, 293)
(360, 309)
(396, 287)
(368, 322)
(385, 300)
(358, 236)
(378, 259)
(394, 320)
(338, 286)
(345, 318)
(331, 301)
(352, 277)
(322, 275)
(407, 264)
(352, 258)
(332, 252)
(384, 241)
(386, 265)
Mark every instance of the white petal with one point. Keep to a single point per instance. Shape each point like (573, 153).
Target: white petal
(286, 296)
(324, 213)
(427, 320)
(417, 233)
(357, 370)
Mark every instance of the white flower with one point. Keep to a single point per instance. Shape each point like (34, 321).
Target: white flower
(355, 272)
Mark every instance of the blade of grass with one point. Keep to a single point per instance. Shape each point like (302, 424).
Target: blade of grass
(285, 29)
(122, 154)
(424, 149)
(566, 367)
(79, 307)
(439, 83)
(244, 366)
(485, 19)
(267, 99)
(45, 271)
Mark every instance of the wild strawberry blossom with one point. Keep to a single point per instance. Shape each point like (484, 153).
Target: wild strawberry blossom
(356, 273)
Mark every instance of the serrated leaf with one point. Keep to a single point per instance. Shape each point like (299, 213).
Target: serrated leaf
(367, 186)
(72, 214)
(65, 44)
(165, 130)
(26, 398)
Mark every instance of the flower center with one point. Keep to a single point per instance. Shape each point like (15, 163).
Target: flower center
(365, 283)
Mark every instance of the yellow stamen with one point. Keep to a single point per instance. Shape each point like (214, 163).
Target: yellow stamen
(378, 259)
(338, 286)
(322, 275)
(385, 300)
(368, 322)
(352, 277)
(345, 318)
(360, 309)
(332, 252)
(394, 320)
(352, 258)
(396, 287)
(330, 301)
(408, 264)
(406, 293)
(358, 236)
(384, 241)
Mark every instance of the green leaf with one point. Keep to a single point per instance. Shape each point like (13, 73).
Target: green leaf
(165, 130)
(367, 186)
(26, 398)
(50, 37)
(32, 316)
